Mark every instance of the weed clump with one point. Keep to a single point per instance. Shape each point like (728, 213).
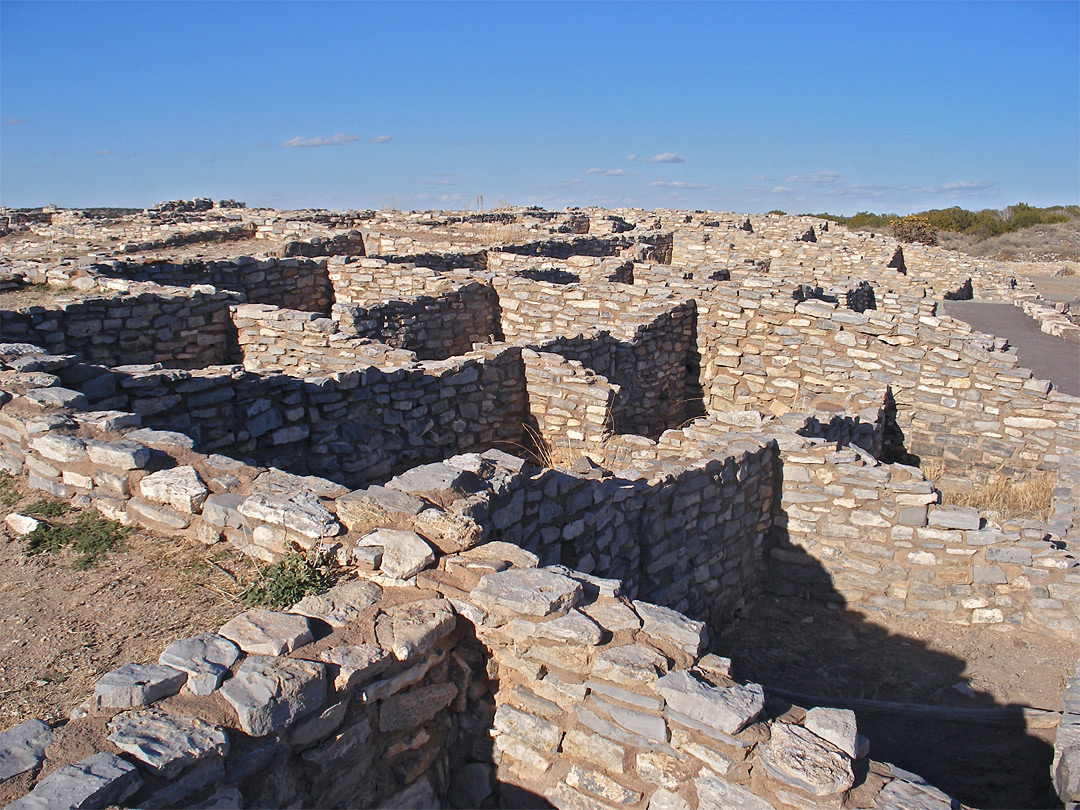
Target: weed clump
(915, 228)
(294, 576)
(9, 492)
(89, 534)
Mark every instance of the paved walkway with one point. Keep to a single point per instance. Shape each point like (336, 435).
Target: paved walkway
(1050, 358)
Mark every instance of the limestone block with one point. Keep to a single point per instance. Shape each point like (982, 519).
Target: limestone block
(600, 785)
(612, 616)
(60, 448)
(57, 397)
(167, 744)
(529, 591)
(954, 517)
(727, 709)
(300, 512)
(101, 780)
(631, 664)
(267, 632)
(376, 507)
(133, 685)
(270, 693)
(838, 726)
(412, 629)
(205, 658)
(21, 524)
(22, 747)
(123, 455)
(415, 707)
(356, 664)
(803, 760)
(670, 625)
(179, 487)
(715, 792)
(404, 553)
(437, 483)
(534, 731)
(573, 628)
(341, 604)
(447, 531)
(664, 799)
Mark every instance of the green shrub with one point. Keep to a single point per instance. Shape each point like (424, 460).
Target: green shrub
(89, 534)
(914, 228)
(294, 576)
(46, 508)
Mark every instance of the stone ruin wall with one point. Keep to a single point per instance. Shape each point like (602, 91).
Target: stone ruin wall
(700, 519)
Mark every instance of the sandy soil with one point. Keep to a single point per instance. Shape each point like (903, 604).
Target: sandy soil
(813, 649)
(61, 629)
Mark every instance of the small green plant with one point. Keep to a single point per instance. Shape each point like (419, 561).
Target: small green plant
(46, 508)
(89, 534)
(290, 579)
(9, 492)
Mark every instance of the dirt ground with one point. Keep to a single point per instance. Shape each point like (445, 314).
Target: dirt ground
(810, 648)
(61, 629)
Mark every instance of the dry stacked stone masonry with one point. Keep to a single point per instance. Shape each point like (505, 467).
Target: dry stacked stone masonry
(553, 461)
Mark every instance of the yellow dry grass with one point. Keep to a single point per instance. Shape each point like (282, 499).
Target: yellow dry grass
(1010, 498)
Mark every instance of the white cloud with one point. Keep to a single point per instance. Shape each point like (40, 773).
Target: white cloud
(816, 177)
(676, 184)
(606, 172)
(781, 190)
(382, 139)
(12, 122)
(103, 152)
(663, 157)
(340, 139)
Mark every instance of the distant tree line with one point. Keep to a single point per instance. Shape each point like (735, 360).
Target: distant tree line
(981, 224)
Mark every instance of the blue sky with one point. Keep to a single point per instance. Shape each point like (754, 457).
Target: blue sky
(805, 107)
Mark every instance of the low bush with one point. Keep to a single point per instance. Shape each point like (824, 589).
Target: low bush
(914, 228)
(89, 534)
(294, 576)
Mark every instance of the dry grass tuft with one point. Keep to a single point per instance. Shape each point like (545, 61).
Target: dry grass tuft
(1009, 498)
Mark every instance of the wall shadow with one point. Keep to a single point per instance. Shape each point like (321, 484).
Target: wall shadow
(803, 640)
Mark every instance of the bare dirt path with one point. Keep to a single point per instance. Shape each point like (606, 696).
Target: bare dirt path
(810, 648)
(1051, 358)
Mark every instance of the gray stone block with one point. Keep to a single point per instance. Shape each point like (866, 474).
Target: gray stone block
(270, 693)
(98, 781)
(133, 685)
(22, 747)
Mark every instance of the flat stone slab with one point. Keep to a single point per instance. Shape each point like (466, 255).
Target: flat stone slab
(123, 455)
(412, 709)
(573, 628)
(404, 553)
(954, 517)
(447, 531)
(438, 483)
(341, 604)
(838, 726)
(161, 438)
(357, 664)
(727, 709)
(803, 760)
(713, 791)
(57, 397)
(670, 625)
(528, 591)
(205, 658)
(133, 685)
(21, 524)
(365, 509)
(267, 632)
(270, 693)
(60, 448)
(22, 747)
(167, 744)
(412, 629)
(180, 487)
(301, 512)
(100, 780)
(632, 664)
